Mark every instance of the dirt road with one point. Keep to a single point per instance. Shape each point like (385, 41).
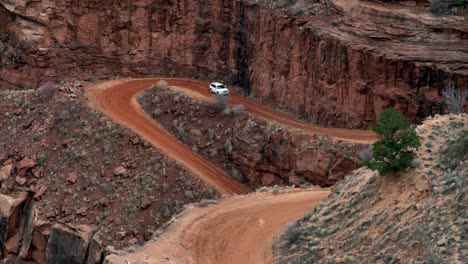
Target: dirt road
(270, 114)
(240, 229)
(118, 100)
(236, 231)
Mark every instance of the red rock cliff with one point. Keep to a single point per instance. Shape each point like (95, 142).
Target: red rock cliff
(335, 64)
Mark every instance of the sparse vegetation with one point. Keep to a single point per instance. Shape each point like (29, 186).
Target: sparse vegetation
(445, 7)
(47, 91)
(238, 109)
(62, 136)
(206, 130)
(366, 153)
(94, 79)
(417, 218)
(397, 143)
(220, 101)
(455, 98)
(161, 85)
(293, 231)
(459, 148)
(206, 203)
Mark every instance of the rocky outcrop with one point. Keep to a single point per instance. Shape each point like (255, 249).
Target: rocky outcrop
(251, 149)
(12, 210)
(95, 251)
(332, 62)
(39, 156)
(267, 155)
(68, 245)
(25, 238)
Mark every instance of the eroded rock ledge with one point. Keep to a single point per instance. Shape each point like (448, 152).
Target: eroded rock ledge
(334, 64)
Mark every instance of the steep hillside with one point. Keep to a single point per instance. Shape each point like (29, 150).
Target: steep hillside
(253, 150)
(336, 63)
(418, 216)
(69, 174)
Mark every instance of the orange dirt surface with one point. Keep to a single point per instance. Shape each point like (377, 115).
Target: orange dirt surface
(199, 90)
(241, 229)
(238, 230)
(117, 99)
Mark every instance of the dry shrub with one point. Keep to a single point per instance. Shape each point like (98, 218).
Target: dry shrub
(455, 98)
(162, 84)
(220, 101)
(47, 91)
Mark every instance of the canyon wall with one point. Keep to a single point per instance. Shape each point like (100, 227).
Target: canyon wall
(336, 64)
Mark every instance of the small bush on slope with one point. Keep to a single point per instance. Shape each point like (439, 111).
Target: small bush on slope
(220, 101)
(459, 148)
(445, 7)
(292, 232)
(397, 143)
(418, 218)
(161, 85)
(455, 98)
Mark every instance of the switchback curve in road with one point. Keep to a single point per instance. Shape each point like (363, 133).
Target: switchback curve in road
(118, 100)
(239, 230)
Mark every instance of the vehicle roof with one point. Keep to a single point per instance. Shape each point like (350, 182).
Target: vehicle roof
(217, 83)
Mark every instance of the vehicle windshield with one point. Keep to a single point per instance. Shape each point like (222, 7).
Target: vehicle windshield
(221, 87)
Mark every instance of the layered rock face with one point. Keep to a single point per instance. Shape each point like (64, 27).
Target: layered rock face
(24, 238)
(267, 155)
(334, 63)
(81, 39)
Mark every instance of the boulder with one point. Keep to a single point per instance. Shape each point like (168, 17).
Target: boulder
(5, 172)
(26, 163)
(39, 191)
(68, 244)
(95, 251)
(12, 244)
(133, 241)
(120, 171)
(119, 236)
(82, 211)
(195, 132)
(268, 179)
(20, 180)
(145, 203)
(11, 212)
(29, 225)
(38, 173)
(72, 177)
(41, 235)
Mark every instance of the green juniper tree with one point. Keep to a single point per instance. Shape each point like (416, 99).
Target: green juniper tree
(397, 143)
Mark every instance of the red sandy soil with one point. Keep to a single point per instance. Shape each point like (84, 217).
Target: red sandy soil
(237, 230)
(118, 100)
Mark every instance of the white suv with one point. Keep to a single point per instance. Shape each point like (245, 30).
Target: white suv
(218, 88)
